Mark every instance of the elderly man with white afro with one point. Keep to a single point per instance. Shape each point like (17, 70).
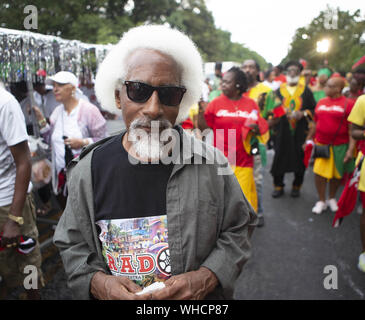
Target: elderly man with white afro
(142, 174)
(171, 42)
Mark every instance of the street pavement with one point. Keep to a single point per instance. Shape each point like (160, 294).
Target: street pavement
(289, 254)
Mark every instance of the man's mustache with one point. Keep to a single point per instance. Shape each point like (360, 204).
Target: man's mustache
(147, 123)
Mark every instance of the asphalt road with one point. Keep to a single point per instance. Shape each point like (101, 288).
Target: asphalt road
(289, 254)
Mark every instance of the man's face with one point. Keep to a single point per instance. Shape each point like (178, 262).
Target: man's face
(156, 69)
(40, 88)
(249, 67)
(293, 71)
(292, 75)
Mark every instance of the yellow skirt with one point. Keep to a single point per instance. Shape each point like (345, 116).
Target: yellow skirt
(361, 186)
(247, 183)
(326, 168)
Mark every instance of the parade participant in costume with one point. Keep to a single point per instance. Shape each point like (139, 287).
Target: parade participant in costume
(357, 118)
(127, 187)
(74, 124)
(258, 91)
(332, 128)
(265, 99)
(290, 128)
(255, 88)
(322, 77)
(230, 112)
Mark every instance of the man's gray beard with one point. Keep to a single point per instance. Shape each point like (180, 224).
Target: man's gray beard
(292, 80)
(148, 144)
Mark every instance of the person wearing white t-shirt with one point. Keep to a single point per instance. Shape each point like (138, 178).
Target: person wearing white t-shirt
(16, 211)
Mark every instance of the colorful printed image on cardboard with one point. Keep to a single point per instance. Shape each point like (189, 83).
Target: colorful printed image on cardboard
(137, 248)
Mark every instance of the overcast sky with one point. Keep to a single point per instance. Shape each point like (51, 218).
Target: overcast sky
(268, 26)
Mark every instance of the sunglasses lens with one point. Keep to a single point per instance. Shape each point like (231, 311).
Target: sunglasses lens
(138, 92)
(171, 96)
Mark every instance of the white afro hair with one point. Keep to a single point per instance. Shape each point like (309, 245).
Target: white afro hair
(160, 38)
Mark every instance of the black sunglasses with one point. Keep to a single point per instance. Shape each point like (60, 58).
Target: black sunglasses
(140, 92)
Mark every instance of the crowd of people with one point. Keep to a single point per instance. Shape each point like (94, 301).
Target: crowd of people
(307, 117)
(306, 111)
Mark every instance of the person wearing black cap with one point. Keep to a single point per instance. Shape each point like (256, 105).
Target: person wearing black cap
(289, 124)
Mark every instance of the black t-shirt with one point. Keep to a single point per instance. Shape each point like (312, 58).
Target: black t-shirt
(123, 190)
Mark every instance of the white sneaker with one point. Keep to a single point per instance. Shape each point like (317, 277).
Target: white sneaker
(359, 209)
(319, 207)
(361, 264)
(332, 203)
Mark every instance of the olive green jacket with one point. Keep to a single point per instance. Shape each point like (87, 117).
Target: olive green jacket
(209, 219)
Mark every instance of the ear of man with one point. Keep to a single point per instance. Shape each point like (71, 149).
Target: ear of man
(117, 98)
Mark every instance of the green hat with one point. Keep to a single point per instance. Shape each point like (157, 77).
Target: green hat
(325, 71)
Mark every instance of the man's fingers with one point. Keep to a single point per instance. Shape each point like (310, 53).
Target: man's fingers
(117, 291)
(130, 285)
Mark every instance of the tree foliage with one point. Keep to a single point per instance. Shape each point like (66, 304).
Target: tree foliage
(346, 35)
(104, 21)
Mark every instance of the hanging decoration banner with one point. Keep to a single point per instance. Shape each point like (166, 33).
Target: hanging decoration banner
(27, 56)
